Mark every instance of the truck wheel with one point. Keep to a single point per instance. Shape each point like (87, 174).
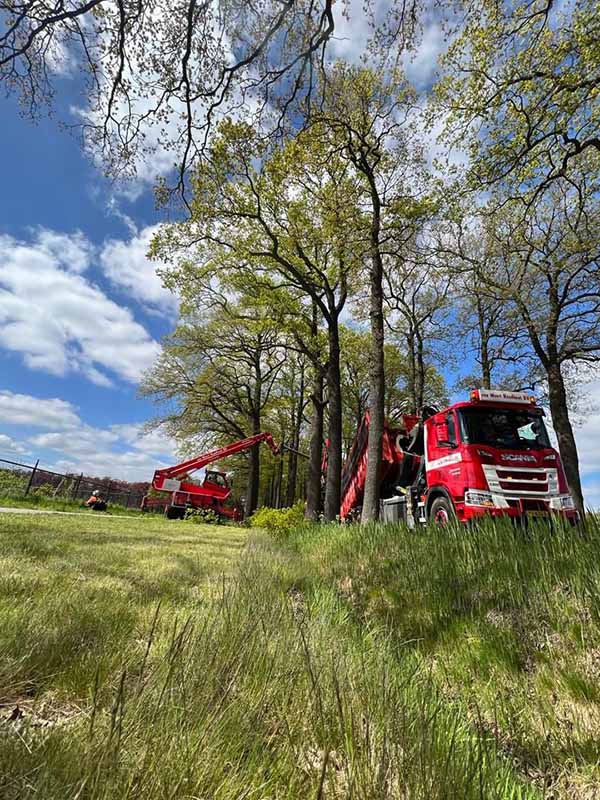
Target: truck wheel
(441, 512)
(173, 513)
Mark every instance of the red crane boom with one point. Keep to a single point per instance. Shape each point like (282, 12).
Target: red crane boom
(209, 458)
(214, 490)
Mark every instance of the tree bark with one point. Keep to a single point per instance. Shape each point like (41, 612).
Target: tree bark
(290, 489)
(334, 430)
(293, 459)
(410, 342)
(420, 382)
(278, 483)
(313, 482)
(370, 509)
(484, 356)
(253, 469)
(253, 480)
(564, 433)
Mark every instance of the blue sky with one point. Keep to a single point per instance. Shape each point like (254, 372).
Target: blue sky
(82, 311)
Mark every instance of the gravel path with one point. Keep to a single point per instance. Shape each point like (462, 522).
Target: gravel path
(5, 510)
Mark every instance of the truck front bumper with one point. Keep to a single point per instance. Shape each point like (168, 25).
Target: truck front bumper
(479, 503)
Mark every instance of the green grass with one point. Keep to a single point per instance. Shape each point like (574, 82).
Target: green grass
(165, 660)
(40, 501)
(77, 595)
(507, 625)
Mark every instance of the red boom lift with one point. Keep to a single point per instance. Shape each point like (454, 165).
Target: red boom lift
(214, 490)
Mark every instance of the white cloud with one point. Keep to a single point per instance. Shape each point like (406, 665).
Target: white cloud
(585, 417)
(353, 29)
(153, 442)
(72, 251)
(130, 466)
(79, 442)
(115, 209)
(10, 447)
(591, 494)
(354, 33)
(23, 409)
(121, 451)
(587, 433)
(421, 64)
(58, 320)
(439, 154)
(126, 265)
(67, 444)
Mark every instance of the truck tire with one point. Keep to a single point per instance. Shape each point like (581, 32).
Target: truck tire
(173, 513)
(442, 512)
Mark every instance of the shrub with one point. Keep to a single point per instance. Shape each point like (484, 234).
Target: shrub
(44, 490)
(12, 483)
(202, 516)
(278, 521)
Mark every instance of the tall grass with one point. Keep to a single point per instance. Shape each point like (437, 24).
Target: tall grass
(344, 662)
(506, 621)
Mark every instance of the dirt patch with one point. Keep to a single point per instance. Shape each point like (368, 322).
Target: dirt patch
(18, 716)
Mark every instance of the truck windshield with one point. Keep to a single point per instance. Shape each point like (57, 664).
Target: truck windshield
(509, 428)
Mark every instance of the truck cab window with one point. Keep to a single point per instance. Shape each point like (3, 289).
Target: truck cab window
(508, 428)
(216, 478)
(451, 429)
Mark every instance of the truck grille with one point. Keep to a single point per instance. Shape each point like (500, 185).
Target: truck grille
(521, 482)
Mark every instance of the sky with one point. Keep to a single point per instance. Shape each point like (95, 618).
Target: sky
(82, 311)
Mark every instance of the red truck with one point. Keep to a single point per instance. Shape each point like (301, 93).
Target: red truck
(488, 456)
(212, 493)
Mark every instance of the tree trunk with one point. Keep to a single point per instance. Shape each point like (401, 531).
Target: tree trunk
(279, 482)
(253, 470)
(370, 509)
(420, 375)
(410, 346)
(564, 433)
(484, 356)
(358, 416)
(313, 482)
(293, 459)
(334, 430)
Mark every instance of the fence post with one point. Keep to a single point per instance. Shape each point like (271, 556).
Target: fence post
(108, 490)
(76, 486)
(33, 471)
(128, 496)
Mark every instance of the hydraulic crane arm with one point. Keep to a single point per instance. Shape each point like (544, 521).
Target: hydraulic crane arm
(209, 458)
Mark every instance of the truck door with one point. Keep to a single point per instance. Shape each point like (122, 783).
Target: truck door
(443, 453)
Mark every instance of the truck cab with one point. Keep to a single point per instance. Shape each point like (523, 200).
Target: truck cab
(491, 456)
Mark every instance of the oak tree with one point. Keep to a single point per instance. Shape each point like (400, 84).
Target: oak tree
(284, 219)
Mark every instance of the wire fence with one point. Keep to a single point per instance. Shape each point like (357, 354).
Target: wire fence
(20, 480)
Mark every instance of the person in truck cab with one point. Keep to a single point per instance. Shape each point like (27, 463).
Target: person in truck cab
(505, 433)
(216, 478)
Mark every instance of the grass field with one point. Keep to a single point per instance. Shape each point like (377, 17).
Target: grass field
(147, 659)
(41, 502)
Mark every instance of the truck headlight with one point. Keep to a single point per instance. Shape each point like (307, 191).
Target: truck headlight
(478, 497)
(563, 503)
